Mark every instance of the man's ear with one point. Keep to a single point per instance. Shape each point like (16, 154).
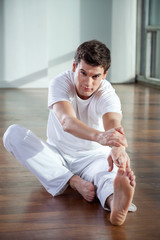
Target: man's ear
(74, 66)
(105, 74)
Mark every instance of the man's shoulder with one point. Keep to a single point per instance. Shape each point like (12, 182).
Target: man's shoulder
(64, 82)
(105, 88)
(106, 85)
(64, 76)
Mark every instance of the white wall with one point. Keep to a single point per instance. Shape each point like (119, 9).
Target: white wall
(63, 34)
(24, 37)
(71, 23)
(123, 40)
(38, 38)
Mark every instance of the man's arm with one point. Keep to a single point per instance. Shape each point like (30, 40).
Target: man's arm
(67, 117)
(111, 120)
(118, 154)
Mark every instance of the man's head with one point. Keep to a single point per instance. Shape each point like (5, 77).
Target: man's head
(91, 63)
(94, 53)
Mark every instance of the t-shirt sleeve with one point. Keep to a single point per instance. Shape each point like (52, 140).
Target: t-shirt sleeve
(60, 89)
(108, 101)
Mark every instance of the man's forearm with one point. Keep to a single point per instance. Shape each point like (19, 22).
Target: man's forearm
(77, 128)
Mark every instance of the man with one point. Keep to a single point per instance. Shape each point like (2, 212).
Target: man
(84, 121)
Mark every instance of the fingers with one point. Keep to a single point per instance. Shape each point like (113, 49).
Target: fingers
(114, 143)
(112, 137)
(120, 130)
(122, 162)
(110, 162)
(118, 137)
(115, 138)
(120, 157)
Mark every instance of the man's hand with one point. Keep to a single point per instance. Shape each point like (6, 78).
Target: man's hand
(113, 137)
(119, 157)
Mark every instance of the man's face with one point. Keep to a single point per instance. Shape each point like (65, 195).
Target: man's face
(87, 78)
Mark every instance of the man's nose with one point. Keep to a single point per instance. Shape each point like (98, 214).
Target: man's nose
(88, 81)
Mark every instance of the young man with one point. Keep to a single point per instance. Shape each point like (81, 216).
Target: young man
(84, 121)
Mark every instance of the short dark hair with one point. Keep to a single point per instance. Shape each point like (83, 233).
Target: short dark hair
(94, 53)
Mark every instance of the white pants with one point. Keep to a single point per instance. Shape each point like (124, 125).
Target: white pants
(54, 169)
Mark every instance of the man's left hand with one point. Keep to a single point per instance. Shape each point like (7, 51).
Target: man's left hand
(119, 157)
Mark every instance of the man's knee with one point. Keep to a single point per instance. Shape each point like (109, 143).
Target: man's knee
(12, 135)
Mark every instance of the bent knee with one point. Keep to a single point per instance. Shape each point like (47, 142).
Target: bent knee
(13, 134)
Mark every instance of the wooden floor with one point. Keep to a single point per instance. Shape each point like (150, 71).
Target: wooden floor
(28, 212)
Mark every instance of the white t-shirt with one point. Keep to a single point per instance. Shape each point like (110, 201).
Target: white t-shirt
(90, 111)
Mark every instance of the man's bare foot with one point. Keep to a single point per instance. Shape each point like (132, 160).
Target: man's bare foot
(85, 188)
(119, 202)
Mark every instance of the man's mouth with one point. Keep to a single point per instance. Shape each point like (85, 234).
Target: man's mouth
(87, 89)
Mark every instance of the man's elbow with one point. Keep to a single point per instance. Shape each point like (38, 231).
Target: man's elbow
(66, 124)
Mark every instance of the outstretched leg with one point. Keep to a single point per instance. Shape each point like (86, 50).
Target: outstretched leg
(120, 200)
(85, 188)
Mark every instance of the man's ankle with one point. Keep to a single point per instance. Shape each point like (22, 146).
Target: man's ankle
(73, 180)
(108, 203)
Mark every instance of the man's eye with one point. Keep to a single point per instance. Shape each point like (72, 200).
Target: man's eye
(96, 77)
(83, 73)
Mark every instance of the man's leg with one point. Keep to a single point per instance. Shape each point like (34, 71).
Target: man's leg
(94, 169)
(119, 202)
(43, 161)
(85, 169)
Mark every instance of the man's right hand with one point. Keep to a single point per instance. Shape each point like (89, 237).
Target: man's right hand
(113, 137)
